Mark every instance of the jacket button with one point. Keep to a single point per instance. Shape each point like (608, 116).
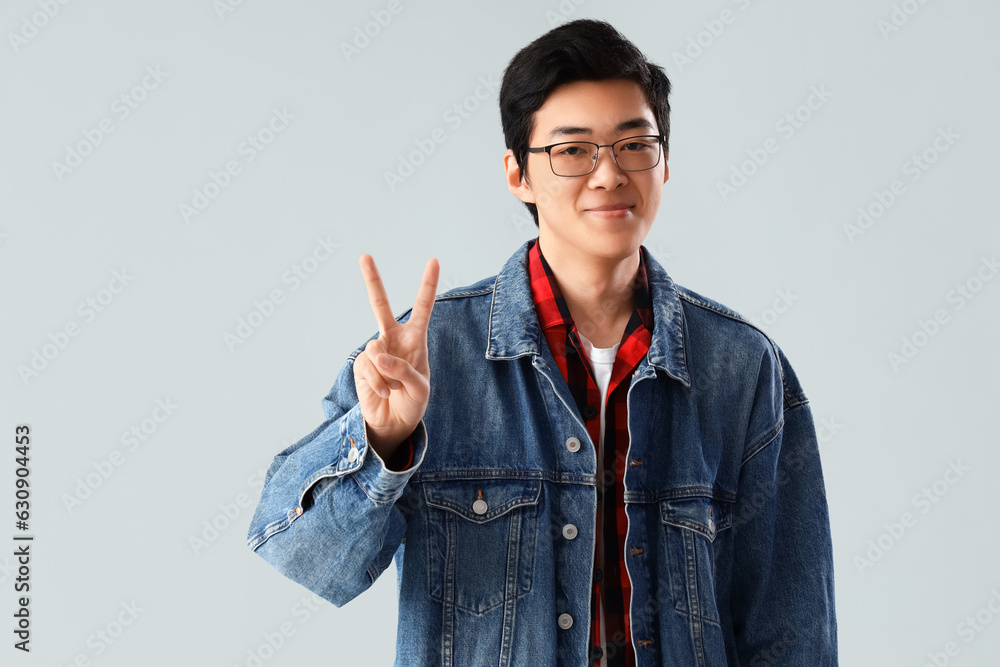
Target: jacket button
(352, 455)
(480, 506)
(569, 531)
(565, 621)
(711, 525)
(573, 444)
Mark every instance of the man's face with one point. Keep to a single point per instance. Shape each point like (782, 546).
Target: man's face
(569, 219)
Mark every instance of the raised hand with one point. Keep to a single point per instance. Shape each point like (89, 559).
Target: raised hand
(392, 375)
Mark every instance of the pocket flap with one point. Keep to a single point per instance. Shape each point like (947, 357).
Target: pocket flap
(481, 500)
(699, 513)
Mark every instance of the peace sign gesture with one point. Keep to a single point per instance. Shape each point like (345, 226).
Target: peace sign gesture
(392, 375)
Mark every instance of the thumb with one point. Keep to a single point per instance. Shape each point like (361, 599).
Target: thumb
(399, 369)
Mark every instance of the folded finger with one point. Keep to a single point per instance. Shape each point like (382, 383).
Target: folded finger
(365, 371)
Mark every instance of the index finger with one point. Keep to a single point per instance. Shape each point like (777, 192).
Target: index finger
(377, 297)
(424, 303)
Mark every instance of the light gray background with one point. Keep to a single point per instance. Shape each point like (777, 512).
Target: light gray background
(887, 432)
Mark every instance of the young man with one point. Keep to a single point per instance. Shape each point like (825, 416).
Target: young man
(576, 461)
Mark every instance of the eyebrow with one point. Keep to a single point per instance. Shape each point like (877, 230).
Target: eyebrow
(633, 124)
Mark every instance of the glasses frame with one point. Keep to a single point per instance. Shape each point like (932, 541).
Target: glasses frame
(597, 155)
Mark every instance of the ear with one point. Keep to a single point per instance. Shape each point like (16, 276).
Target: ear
(518, 186)
(666, 166)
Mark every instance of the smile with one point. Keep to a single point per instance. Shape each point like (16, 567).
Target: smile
(611, 211)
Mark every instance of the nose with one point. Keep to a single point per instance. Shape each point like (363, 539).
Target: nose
(606, 172)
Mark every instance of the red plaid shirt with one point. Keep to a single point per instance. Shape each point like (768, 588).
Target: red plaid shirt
(611, 587)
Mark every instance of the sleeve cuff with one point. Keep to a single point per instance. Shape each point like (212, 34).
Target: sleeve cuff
(402, 458)
(382, 480)
(336, 449)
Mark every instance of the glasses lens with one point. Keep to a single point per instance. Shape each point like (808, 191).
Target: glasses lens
(638, 153)
(572, 159)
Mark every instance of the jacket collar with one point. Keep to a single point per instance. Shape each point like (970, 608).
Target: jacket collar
(514, 330)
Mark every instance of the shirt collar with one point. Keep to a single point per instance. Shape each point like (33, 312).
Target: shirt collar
(550, 306)
(514, 328)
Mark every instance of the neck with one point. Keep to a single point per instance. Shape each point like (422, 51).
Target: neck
(598, 291)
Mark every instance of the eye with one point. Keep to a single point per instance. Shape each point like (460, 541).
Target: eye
(570, 150)
(636, 146)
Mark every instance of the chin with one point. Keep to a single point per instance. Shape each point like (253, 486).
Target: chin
(619, 249)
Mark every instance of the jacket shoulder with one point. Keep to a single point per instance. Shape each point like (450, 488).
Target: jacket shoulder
(447, 306)
(480, 288)
(461, 306)
(723, 321)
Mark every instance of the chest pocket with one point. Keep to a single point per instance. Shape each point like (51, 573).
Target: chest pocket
(691, 531)
(481, 540)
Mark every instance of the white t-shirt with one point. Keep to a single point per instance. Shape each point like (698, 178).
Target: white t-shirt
(602, 360)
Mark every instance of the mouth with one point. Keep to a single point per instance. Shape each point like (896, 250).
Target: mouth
(611, 210)
(611, 207)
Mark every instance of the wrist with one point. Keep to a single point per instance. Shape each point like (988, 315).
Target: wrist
(385, 444)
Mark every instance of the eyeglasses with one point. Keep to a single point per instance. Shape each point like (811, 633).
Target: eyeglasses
(579, 158)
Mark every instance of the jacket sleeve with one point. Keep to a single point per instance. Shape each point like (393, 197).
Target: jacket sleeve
(782, 596)
(328, 517)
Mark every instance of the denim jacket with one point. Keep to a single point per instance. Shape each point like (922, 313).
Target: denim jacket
(728, 546)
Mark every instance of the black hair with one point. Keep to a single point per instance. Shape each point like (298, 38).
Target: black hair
(582, 50)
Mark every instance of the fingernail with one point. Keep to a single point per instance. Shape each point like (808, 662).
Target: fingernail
(384, 393)
(384, 361)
